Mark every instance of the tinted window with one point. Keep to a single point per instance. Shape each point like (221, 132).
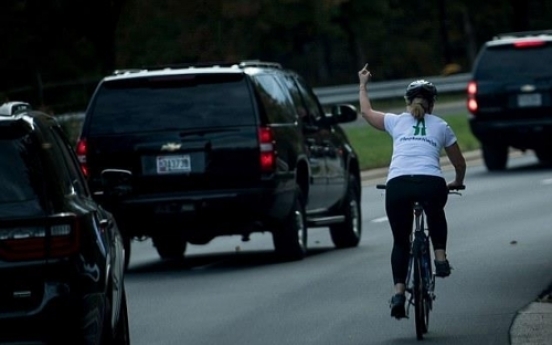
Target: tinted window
(296, 97)
(276, 102)
(22, 183)
(313, 107)
(508, 62)
(173, 102)
(33, 175)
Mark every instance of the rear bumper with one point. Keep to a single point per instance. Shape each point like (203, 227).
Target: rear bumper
(223, 211)
(56, 315)
(523, 134)
(45, 299)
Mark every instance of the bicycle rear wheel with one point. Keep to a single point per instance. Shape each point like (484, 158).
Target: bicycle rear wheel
(421, 308)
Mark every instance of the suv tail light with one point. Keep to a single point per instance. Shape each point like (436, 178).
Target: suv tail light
(39, 238)
(82, 150)
(472, 101)
(529, 44)
(267, 151)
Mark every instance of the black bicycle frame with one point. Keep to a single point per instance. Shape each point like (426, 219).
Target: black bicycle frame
(420, 247)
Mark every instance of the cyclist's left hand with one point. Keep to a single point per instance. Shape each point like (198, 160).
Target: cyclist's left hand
(364, 75)
(454, 184)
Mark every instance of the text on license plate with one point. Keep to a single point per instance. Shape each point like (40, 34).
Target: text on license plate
(173, 164)
(529, 100)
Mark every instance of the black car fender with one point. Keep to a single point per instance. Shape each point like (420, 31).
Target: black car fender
(303, 173)
(352, 167)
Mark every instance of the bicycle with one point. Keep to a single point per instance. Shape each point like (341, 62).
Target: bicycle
(420, 279)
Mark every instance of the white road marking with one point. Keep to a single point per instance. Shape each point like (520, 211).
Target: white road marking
(547, 181)
(379, 220)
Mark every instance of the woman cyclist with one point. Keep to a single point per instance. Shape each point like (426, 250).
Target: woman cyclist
(415, 174)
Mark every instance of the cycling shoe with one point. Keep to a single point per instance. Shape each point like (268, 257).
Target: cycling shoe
(442, 268)
(397, 306)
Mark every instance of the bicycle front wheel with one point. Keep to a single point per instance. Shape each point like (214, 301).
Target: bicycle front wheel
(421, 307)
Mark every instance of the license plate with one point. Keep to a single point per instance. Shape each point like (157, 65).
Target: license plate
(174, 208)
(529, 100)
(173, 164)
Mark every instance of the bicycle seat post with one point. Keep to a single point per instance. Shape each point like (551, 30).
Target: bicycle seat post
(418, 216)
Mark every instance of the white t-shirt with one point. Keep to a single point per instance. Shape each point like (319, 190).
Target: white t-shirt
(417, 145)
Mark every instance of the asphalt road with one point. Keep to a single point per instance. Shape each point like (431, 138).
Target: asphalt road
(231, 292)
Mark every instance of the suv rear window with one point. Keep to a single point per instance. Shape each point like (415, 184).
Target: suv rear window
(171, 102)
(513, 63)
(21, 175)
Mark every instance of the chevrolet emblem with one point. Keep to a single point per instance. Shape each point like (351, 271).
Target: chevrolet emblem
(171, 147)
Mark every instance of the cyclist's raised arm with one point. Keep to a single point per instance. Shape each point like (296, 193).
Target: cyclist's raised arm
(457, 159)
(374, 118)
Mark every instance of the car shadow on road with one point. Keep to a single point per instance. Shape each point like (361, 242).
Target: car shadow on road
(216, 262)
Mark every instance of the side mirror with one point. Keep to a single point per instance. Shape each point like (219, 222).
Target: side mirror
(116, 182)
(344, 113)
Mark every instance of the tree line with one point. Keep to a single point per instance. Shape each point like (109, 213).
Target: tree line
(55, 51)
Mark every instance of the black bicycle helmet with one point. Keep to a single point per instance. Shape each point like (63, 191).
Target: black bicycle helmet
(422, 88)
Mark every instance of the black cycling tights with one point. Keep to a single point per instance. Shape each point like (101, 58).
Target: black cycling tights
(401, 192)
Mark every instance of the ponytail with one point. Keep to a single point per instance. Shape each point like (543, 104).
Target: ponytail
(419, 107)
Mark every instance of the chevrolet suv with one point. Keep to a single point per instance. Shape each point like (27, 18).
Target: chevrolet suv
(221, 149)
(510, 97)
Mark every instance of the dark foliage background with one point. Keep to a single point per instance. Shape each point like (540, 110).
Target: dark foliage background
(55, 51)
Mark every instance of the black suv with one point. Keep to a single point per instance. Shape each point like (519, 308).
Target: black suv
(510, 96)
(61, 254)
(222, 149)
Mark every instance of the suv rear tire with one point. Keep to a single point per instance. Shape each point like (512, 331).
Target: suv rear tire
(290, 236)
(495, 156)
(348, 233)
(169, 247)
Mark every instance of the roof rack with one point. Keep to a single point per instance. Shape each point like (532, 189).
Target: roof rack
(245, 63)
(127, 70)
(522, 34)
(258, 63)
(11, 108)
(192, 64)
